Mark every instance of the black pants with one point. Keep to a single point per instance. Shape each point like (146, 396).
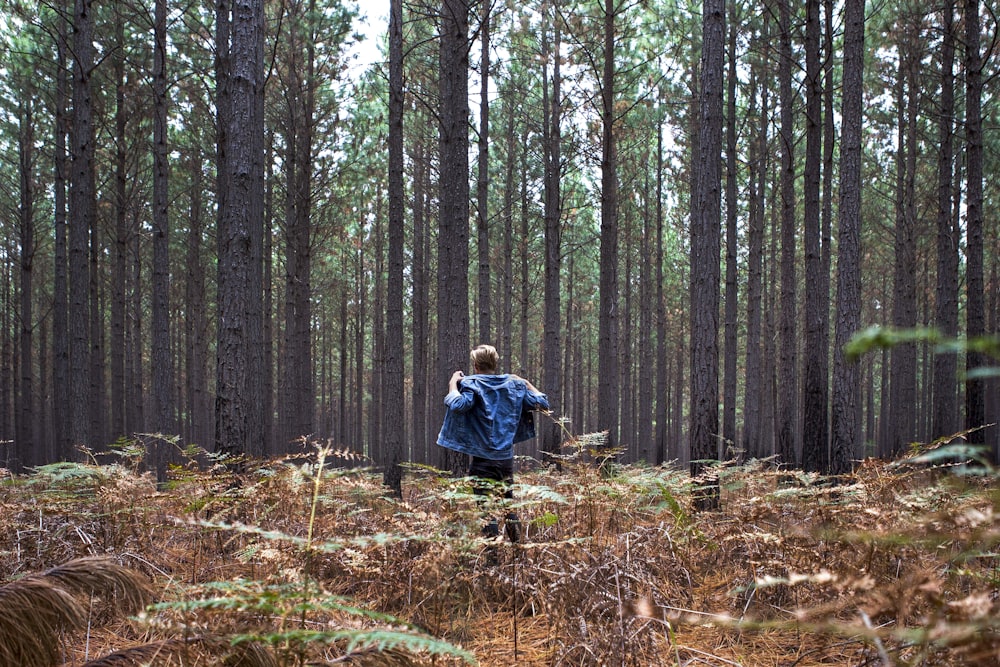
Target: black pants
(497, 476)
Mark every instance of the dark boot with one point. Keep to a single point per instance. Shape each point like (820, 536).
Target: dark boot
(512, 526)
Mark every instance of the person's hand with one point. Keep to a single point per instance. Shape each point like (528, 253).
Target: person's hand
(456, 376)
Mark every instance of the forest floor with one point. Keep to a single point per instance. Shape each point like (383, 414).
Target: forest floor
(896, 564)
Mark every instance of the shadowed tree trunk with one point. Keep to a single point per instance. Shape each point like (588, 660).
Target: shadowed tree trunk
(162, 390)
(706, 222)
(453, 230)
(753, 436)
(60, 324)
(814, 382)
(731, 306)
(945, 398)
(549, 431)
(608, 390)
(975, 400)
(483, 179)
(903, 362)
(846, 394)
(81, 221)
(239, 380)
(395, 426)
(788, 358)
(25, 451)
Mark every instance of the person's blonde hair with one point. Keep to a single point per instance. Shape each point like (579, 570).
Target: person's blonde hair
(484, 359)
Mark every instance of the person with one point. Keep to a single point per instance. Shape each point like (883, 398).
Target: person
(487, 414)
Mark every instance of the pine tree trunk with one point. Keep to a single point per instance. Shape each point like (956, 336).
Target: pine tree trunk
(453, 231)
(706, 224)
(239, 384)
(26, 453)
(61, 448)
(903, 363)
(731, 324)
(946, 293)
(975, 400)
(161, 376)
(814, 389)
(845, 423)
(483, 181)
(394, 436)
(608, 390)
(81, 217)
(788, 342)
(550, 432)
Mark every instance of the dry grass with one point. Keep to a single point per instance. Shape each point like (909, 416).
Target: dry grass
(895, 565)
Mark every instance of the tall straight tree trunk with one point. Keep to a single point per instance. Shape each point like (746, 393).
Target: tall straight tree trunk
(453, 229)
(903, 361)
(550, 431)
(483, 179)
(239, 380)
(946, 293)
(662, 388)
(395, 433)
(195, 322)
(846, 394)
(814, 391)
(81, 221)
(119, 257)
(706, 223)
(98, 399)
(61, 448)
(421, 306)
(161, 375)
(376, 406)
(826, 226)
(507, 277)
(788, 337)
(732, 269)
(753, 440)
(608, 390)
(644, 413)
(975, 399)
(523, 250)
(26, 453)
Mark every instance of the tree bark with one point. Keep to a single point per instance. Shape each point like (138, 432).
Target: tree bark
(945, 397)
(729, 437)
(161, 376)
(61, 449)
(26, 453)
(975, 400)
(395, 437)
(788, 341)
(608, 390)
(706, 223)
(846, 394)
(815, 433)
(483, 180)
(81, 216)
(239, 383)
(903, 362)
(550, 431)
(453, 231)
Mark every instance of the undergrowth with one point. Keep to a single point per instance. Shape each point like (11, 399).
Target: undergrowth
(297, 562)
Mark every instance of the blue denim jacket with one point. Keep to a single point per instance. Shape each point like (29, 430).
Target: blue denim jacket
(488, 414)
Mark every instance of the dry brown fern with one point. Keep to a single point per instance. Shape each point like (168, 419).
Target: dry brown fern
(206, 650)
(36, 610)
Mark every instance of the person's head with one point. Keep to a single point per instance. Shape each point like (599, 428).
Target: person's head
(484, 359)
